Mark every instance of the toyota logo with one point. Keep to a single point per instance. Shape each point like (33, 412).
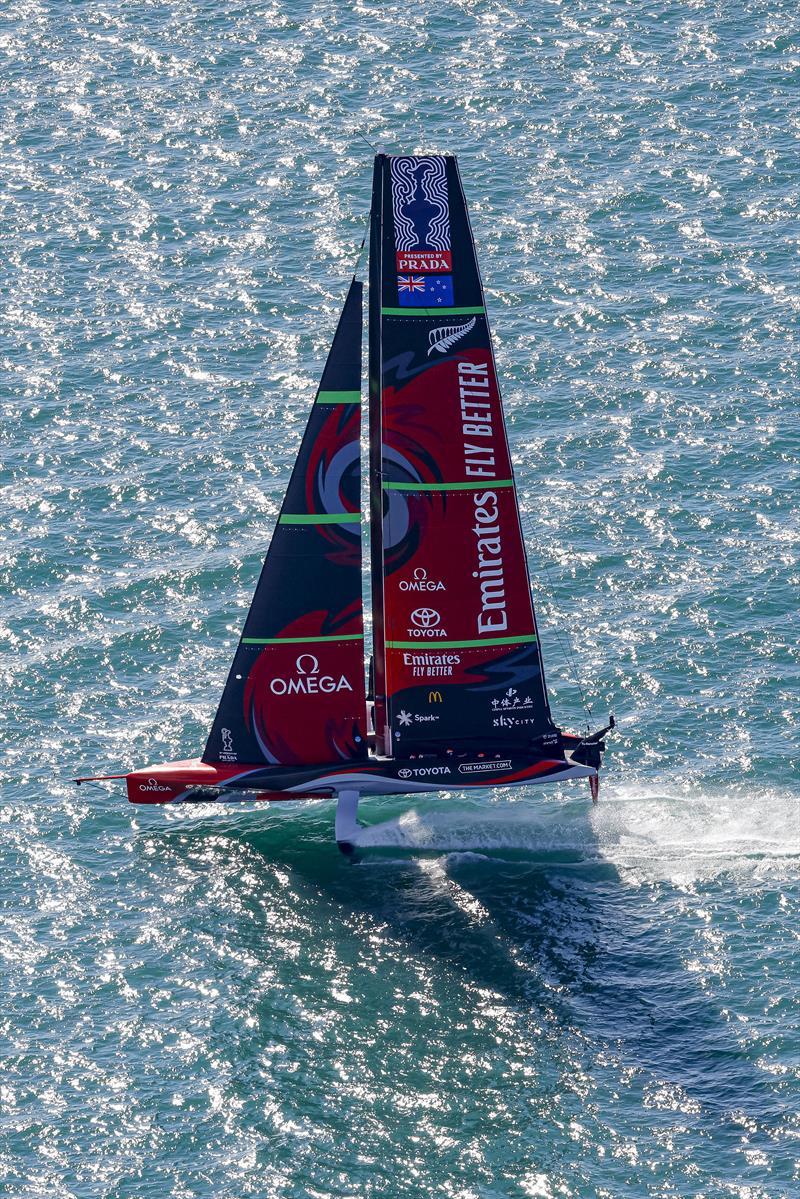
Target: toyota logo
(405, 773)
(425, 618)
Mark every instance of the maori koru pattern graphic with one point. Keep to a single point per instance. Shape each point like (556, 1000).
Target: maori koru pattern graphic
(419, 203)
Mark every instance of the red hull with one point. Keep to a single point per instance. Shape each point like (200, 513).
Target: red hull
(195, 781)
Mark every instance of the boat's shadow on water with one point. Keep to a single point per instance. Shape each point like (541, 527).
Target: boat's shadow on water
(520, 901)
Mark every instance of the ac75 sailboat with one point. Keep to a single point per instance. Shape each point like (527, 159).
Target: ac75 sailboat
(457, 695)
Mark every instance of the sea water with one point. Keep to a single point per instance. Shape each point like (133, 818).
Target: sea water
(511, 993)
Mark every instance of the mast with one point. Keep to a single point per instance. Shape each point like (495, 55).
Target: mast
(382, 730)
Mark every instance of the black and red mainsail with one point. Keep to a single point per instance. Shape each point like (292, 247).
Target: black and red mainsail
(295, 693)
(457, 658)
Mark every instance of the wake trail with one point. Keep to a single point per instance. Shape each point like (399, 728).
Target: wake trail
(643, 832)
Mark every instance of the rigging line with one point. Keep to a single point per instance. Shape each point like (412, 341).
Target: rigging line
(570, 655)
(569, 652)
(374, 149)
(565, 645)
(358, 133)
(360, 253)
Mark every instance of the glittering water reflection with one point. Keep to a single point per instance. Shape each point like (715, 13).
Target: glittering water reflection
(500, 998)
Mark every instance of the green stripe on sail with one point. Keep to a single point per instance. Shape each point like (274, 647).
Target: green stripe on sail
(432, 311)
(483, 484)
(301, 640)
(339, 397)
(431, 644)
(320, 518)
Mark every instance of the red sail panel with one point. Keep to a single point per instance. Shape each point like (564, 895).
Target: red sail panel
(456, 644)
(295, 694)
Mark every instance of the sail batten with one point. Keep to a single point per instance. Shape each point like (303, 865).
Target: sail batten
(457, 656)
(319, 518)
(480, 641)
(338, 397)
(390, 486)
(435, 312)
(303, 640)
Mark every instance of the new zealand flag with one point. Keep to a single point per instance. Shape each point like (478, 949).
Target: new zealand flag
(425, 291)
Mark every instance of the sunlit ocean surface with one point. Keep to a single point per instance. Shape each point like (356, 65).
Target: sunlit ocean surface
(510, 994)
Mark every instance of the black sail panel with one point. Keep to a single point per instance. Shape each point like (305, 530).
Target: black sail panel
(457, 657)
(295, 693)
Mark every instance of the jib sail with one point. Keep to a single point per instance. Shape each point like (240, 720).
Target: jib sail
(457, 659)
(295, 693)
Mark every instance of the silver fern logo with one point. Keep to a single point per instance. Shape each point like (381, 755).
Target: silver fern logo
(445, 336)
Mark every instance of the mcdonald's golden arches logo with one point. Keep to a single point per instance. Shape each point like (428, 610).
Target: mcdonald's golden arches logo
(434, 697)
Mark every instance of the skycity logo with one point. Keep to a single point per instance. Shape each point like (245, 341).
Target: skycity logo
(427, 622)
(308, 680)
(421, 582)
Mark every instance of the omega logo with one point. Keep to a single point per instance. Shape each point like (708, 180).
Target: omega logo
(421, 582)
(308, 680)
